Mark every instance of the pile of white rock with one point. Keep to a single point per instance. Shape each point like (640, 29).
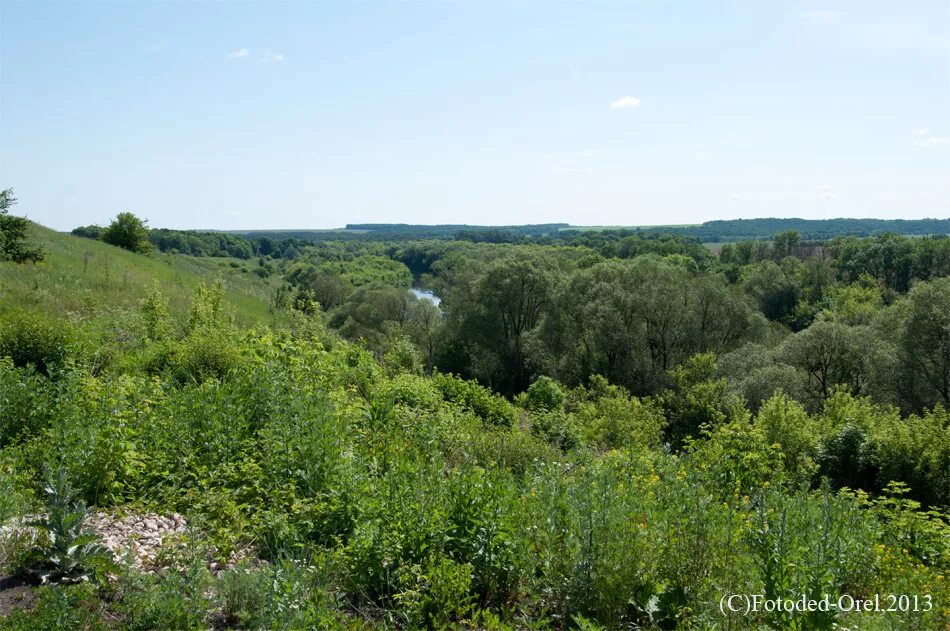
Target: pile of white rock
(138, 537)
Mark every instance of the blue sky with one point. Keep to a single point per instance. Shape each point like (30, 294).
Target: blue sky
(316, 114)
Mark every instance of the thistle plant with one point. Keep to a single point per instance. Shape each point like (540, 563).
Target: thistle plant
(67, 551)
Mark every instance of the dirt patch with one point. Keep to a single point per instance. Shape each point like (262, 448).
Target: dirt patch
(15, 594)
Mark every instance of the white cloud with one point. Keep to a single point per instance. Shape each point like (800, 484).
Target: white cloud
(270, 56)
(934, 141)
(240, 53)
(926, 139)
(627, 101)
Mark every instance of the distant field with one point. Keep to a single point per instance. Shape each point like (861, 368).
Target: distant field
(87, 279)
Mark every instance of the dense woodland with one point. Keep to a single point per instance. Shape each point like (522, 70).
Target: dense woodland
(556, 233)
(610, 430)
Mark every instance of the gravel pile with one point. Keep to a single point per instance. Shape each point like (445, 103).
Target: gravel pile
(147, 541)
(137, 537)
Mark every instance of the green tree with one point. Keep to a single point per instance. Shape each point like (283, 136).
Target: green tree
(772, 288)
(924, 344)
(129, 232)
(830, 354)
(494, 311)
(13, 241)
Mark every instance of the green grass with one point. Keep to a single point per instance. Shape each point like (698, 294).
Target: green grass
(90, 280)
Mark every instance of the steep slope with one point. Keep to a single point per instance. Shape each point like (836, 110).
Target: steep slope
(96, 281)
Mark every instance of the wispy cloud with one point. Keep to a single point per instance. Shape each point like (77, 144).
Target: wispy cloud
(270, 56)
(627, 101)
(240, 53)
(934, 141)
(925, 138)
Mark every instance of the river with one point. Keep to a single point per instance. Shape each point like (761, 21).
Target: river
(425, 294)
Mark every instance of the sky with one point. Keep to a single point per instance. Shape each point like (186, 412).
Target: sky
(315, 114)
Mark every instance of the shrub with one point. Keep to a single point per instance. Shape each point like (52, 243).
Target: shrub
(557, 427)
(544, 394)
(171, 600)
(609, 418)
(129, 232)
(786, 423)
(27, 400)
(38, 340)
(488, 406)
(847, 459)
(198, 358)
(435, 594)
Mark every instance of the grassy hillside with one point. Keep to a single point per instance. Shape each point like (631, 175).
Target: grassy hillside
(91, 280)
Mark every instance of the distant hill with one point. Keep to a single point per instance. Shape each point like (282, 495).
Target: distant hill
(710, 231)
(88, 279)
(809, 229)
(403, 232)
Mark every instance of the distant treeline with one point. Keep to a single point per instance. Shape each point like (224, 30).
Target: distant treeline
(809, 229)
(413, 232)
(562, 233)
(206, 243)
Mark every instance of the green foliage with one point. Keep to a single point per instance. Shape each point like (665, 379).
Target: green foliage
(156, 320)
(433, 595)
(557, 427)
(69, 552)
(786, 424)
(171, 600)
(369, 494)
(128, 232)
(13, 234)
(27, 400)
(33, 339)
(924, 344)
(698, 400)
(284, 595)
(59, 607)
(545, 394)
(738, 458)
(609, 418)
(481, 401)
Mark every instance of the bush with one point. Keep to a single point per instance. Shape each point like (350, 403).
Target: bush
(27, 401)
(171, 600)
(38, 340)
(557, 428)
(544, 394)
(488, 406)
(198, 358)
(129, 232)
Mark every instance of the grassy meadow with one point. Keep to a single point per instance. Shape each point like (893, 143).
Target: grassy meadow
(90, 280)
